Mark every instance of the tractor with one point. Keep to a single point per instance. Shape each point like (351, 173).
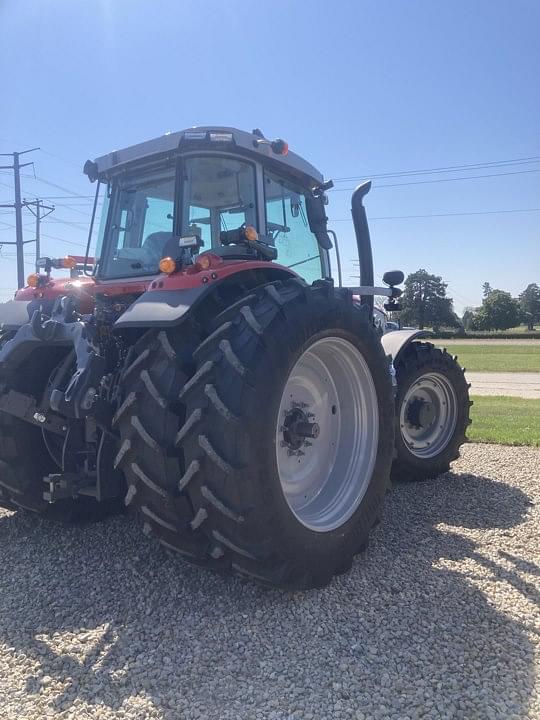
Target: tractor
(204, 369)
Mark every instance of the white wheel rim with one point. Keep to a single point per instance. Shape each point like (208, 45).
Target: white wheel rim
(325, 477)
(428, 415)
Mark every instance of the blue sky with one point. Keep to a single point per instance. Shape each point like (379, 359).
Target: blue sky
(358, 88)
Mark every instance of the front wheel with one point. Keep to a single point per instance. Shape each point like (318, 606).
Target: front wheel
(432, 412)
(283, 440)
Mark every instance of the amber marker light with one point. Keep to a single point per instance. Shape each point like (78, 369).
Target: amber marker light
(33, 280)
(250, 233)
(203, 262)
(69, 262)
(167, 265)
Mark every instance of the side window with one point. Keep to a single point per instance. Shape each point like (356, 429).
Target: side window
(287, 225)
(199, 224)
(158, 216)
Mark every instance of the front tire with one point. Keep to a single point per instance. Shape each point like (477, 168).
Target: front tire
(210, 475)
(432, 412)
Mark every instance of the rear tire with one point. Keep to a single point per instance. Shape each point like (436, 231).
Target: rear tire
(432, 412)
(204, 471)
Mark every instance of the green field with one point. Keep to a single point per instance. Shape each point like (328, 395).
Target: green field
(496, 358)
(505, 420)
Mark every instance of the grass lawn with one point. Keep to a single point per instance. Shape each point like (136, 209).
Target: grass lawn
(505, 420)
(496, 358)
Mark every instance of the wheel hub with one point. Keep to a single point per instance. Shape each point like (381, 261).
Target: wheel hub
(428, 415)
(420, 413)
(298, 430)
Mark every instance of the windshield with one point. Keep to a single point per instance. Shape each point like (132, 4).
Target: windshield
(139, 225)
(218, 193)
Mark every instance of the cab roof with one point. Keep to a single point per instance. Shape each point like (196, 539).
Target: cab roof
(207, 138)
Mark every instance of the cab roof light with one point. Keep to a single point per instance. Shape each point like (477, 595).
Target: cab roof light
(278, 146)
(195, 135)
(221, 137)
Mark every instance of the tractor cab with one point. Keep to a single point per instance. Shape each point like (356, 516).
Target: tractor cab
(232, 194)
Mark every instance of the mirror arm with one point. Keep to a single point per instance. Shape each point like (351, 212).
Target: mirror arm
(338, 259)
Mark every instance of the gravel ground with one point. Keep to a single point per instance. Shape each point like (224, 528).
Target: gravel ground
(439, 619)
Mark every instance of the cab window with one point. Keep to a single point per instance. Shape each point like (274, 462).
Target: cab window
(218, 193)
(288, 227)
(139, 225)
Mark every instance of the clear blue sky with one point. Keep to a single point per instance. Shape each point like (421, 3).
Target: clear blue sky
(357, 87)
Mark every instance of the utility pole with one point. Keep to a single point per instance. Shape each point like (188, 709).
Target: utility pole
(18, 205)
(39, 217)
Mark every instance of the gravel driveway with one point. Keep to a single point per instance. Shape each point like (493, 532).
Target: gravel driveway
(440, 619)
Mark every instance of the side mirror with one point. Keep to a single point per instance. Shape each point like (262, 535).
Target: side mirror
(317, 221)
(393, 278)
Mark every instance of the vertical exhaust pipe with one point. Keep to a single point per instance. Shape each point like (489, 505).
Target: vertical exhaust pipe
(363, 241)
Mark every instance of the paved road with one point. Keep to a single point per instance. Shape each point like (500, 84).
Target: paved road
(526, 385)
(496, 341)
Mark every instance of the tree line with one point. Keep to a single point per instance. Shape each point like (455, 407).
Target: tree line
(425, 303)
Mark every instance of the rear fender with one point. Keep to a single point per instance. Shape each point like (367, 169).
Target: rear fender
(170, 307)
(395, 342)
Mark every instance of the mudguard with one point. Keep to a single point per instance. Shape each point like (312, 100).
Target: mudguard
(161, 308)
(169, 303)
(396, 341)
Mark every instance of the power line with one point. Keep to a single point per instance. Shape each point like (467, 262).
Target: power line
(61, 197)
(76, 225)
(442, 180)
(445, 169)
(39, 205)
(452, 214)
(63, 240)
(18, 206)
(60, 187)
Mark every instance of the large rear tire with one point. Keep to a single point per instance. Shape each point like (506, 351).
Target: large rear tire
(292, 376)
(432, 412)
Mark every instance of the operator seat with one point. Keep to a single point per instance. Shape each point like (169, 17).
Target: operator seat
(154, 245)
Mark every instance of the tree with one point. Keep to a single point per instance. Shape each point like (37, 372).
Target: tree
(468, 315)
(529, 303)
(499, 311)
(486, 289)
(424, 302)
